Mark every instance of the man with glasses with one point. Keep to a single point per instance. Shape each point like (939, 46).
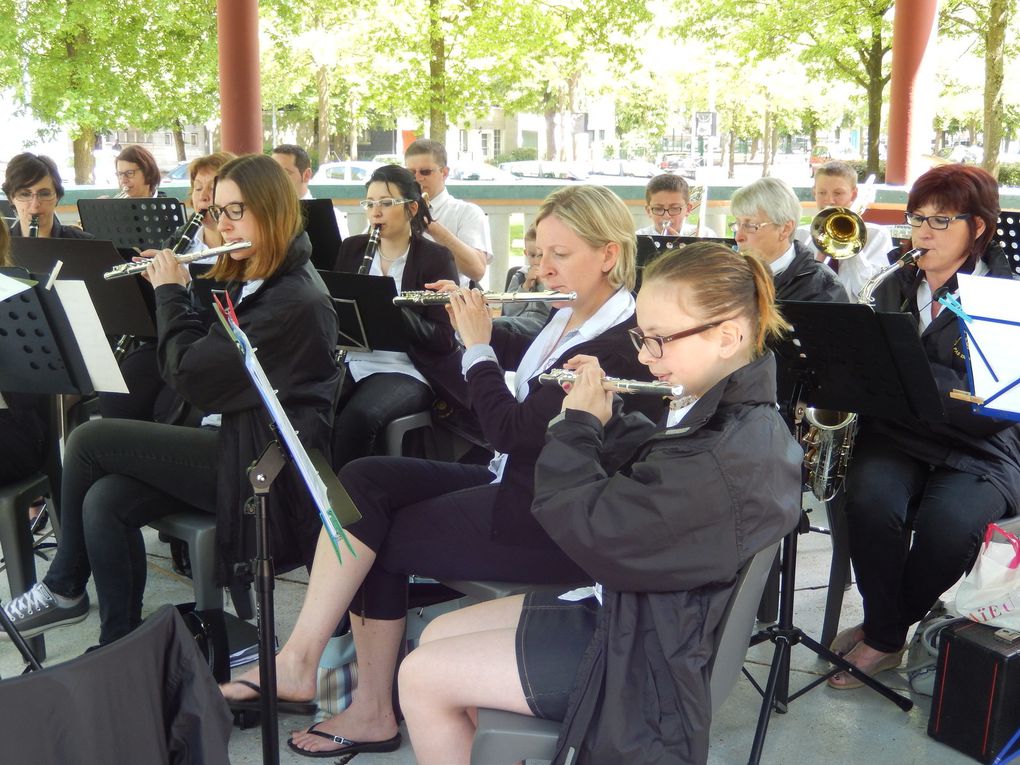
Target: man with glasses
(32, 184)
(459, 226)
(767, 213)
(298, 165)
(668, 203)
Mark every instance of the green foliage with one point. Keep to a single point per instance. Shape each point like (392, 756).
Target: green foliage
(520, 154)
(862, 170)
(1009, 174)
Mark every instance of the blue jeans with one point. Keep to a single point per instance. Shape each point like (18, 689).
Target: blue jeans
(891, 494)
(120, 475)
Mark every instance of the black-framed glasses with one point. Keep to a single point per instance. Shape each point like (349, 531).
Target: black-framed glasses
(386, 204)
(671, 211)
(43, 195)
(233, 211)
(653, 343)
(935, 222)
(126, 174)
(749, 228)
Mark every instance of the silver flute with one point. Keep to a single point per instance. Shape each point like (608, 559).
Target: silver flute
(428, 297)
(134, 268)
(615, 384)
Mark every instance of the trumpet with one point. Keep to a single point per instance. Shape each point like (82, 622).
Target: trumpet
(428, 297)
(33, 227)
(615, 384)
(134, 268)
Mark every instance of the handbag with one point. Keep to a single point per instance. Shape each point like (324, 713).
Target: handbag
(990, 592)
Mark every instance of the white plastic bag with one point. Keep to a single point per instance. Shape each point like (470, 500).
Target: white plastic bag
(990, 593)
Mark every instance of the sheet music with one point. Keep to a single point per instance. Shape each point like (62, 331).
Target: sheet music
(9, 287)
(88, 333)
(993, 336)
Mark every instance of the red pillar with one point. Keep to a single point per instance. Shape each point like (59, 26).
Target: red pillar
(237, 27)
(912, 92)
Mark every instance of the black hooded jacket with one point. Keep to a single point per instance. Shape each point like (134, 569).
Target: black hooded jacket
(809, 279)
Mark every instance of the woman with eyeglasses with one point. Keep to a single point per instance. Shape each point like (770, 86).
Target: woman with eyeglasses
(32, 184)
(120, 475)
(767, 214)
(381, 386)
(137, 173)
(920, 493)
(457, 521)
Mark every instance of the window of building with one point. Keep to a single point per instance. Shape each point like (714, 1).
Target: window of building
(497, 142)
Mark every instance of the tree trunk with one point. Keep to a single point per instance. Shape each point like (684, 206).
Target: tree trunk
(178, 132)
(876, 83)
(84, 159)
(549, 103)
(995, 40)
(322, 110)
(766, 151)
(437, 74)
(731, 168)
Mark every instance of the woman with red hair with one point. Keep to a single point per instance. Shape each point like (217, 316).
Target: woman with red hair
(942, 480)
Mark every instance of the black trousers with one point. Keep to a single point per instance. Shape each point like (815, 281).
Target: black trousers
(435, 519)
(120, 475)
(890, 494)
(21, 449)
(368, 406)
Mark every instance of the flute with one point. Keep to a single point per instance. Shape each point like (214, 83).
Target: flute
(134, 268)
(428, 297)
(615, 384)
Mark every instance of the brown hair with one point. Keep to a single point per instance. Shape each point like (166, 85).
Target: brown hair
(667, 182)
(212, 161)
(724, 284)
(269, 197)
(837, 169)
(27, 169)
(966, 189)
(146, 163)
(599, 217)
(434, 149)
(5, 246)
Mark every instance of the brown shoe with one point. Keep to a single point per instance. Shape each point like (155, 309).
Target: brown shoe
(845, 641)
(845, 681)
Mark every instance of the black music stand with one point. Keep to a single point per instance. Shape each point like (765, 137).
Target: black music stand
(651, 246)
(847, 357)
(323, 232)
(364, 306)
(8, 212)
(121, 305)
(1007, 234)
(134, 223)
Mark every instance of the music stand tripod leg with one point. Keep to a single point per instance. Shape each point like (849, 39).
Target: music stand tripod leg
(261, 476)
(18, 640)
(784, 635)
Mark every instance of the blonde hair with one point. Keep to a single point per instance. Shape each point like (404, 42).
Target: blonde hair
(213, 162)
(5, 246)
(269, 197)
(599, 217)
(723, 284)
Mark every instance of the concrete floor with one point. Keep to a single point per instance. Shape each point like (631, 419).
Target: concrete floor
(826, 725)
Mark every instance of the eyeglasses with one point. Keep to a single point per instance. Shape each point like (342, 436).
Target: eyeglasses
(386, 204)
(935, 222)
(43, 195)
(674, 210)
(653, 343)
(126, 174)
(749, 228)
(233, 211)
(425, 172)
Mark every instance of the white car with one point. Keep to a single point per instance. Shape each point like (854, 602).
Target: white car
(479, 171)
(349, 170)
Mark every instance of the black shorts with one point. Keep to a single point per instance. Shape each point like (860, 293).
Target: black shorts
(552, 636)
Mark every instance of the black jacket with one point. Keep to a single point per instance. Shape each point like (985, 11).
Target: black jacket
(809, 279)
(664, 519)
(517, 428)
(434, 350)
(291, 322)
(60, 231)
(965, 441)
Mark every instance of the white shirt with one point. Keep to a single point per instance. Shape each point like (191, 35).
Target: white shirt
(552, 343)
(924, 300)
(687, 229)
(855, 272)
(341, 217)
(466, 221)
(783, 262)
(362, 364)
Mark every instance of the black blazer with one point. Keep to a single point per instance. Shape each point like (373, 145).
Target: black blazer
(434, 349)
(809, 279)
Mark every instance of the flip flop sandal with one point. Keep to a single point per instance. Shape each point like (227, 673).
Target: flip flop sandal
(346, 746)
(892, 661)
(282, 705)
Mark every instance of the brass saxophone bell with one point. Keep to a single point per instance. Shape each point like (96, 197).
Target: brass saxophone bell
(838, 232)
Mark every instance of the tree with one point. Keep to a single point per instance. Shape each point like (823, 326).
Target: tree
(95, 65)
(989, 22)
(837, 40)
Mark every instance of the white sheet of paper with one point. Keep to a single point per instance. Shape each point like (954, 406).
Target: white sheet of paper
(88, 332)
(10, 287)
(985, 298)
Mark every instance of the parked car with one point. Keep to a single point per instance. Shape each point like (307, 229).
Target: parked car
(349, 170)
(389, 159)
(479, 171)
(538, 168)
(626, 168)
(823, 153)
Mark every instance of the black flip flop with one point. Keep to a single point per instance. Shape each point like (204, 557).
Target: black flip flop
(346, 746)
(282, 705)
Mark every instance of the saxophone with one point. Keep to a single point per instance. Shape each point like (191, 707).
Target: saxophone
(829, 440)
